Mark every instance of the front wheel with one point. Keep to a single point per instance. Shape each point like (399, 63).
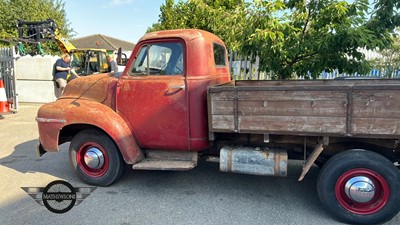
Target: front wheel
(95, 158)
(360, 187)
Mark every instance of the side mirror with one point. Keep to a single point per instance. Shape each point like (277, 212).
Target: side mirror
(121, 58)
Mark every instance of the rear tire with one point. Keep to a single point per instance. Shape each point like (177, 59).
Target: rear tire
(95, 158)
(360, 187)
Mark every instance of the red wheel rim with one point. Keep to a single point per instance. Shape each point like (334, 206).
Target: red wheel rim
(80, 159)
(378, 199)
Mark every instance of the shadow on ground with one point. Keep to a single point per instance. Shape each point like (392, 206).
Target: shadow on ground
(24, 160)
(199, 196)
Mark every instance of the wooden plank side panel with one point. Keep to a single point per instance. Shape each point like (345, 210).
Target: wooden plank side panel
(280, 111)
(293, 124)
(376, 126)
(376, 104)
(371, 109)
(222, 107)
(223, 95)
(309, 108)
(222, 122)
(296, 95)
(221, 114)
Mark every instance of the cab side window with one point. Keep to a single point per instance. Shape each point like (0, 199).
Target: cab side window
(159, 59)
(219, 55)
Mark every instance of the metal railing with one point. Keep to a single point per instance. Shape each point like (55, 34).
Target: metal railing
(8, 57)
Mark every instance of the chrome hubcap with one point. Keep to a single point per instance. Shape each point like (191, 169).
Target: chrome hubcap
(360, 189)
(94, 158)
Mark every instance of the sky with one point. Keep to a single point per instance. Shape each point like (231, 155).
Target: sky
(127, 20)
(123, 19)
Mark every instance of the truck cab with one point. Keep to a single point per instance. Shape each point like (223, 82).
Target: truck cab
(162, 94)
(156, 109)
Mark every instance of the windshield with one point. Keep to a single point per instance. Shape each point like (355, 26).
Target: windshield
(89, 62)
(159, 59)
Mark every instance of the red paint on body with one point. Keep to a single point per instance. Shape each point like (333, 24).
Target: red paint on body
(162, 112)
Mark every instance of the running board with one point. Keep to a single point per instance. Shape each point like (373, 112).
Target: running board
(148, 164)
(165, 160)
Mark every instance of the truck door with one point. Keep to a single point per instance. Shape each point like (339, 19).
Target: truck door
(153, 97)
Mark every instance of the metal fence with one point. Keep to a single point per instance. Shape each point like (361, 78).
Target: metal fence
(247, 68)
(374, 73)
(7, 74)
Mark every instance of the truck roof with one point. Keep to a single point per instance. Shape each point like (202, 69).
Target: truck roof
(185, 34)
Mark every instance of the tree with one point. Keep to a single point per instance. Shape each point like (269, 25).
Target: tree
(385, 16)
(389, 61)
(292, 37)
(32, 10)
(215, 16)
(310, 36)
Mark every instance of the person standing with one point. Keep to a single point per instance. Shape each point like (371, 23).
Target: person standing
(112, 65)
(62, 69)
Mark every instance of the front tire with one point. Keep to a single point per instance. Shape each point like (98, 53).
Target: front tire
(360, 187)
(95, 158)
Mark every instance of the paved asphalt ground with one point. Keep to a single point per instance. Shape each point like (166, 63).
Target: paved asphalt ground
(200, 196)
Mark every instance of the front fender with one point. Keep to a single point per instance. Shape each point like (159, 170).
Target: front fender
(53, 117)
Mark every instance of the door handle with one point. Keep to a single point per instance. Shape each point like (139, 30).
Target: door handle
(181, 87)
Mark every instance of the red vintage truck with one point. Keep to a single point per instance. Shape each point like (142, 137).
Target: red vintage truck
(175, 103)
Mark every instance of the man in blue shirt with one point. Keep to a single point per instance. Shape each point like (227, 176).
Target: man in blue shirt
(112, 65)
(62, 69)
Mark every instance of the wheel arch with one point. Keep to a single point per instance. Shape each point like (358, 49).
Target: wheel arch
(388, 151)
(94, 115)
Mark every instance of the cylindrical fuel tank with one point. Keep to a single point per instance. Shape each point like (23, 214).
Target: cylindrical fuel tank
(267, 162)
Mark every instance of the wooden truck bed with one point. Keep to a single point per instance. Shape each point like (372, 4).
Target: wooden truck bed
(356, 108)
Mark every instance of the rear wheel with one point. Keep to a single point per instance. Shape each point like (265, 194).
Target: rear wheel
(360, 187)
(95, 158)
